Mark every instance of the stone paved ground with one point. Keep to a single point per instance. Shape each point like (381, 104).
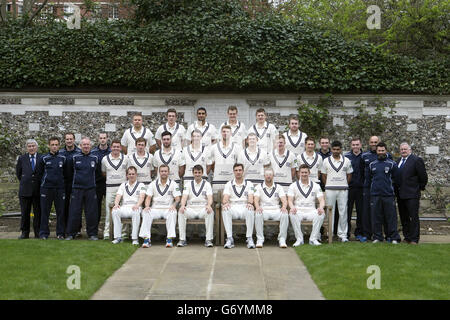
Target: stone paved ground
(195, 272)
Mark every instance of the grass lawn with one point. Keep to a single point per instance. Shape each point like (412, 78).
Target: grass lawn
(407, 272)
(36, 269)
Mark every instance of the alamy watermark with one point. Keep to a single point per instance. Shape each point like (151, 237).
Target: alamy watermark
(74, 280)
(374, 20)
(374, 281)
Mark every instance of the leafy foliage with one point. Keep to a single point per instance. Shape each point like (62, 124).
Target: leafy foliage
(315, 118)
(366, 124)
(208, 45)
(419, 28)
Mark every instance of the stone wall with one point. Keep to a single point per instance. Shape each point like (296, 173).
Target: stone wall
(424, 121)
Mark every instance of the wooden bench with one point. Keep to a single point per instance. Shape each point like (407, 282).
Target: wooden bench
(163, 221)
(327, 224)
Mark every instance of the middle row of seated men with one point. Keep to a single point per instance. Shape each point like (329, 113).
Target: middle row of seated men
(240, 200)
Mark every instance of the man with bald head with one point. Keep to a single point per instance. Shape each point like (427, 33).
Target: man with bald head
(410, 180)
(366, 159)
(85, 166)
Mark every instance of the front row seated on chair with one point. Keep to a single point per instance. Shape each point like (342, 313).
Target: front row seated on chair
(132, 194)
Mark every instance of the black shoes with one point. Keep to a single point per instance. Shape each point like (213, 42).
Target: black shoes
(24, 236)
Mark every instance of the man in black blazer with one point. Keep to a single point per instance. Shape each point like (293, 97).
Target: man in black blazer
(411, 179)
(29, 189)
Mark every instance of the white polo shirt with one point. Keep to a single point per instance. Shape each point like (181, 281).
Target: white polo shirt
(336, 171)
(238, 132)
(305, 195)
(197, 193)
(130, 135)
(178, 133)
(131, 193)
(163, 197)
(173, 158)
(238, 193)
(295, 143)
(266, 135)
(143, 165)
(208, 130)
(269, 198)
(314, 163)
(115, 169)
(192, 157)
(282, 165)
(223, 158)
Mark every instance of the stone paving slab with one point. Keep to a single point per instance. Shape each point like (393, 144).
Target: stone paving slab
(199, 273)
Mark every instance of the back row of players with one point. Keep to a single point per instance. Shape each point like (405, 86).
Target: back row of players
(181, 150)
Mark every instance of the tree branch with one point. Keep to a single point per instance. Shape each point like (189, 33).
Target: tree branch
(36, 12)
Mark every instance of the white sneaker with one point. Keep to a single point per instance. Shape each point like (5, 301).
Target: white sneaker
(282, 243)
(135, 242)
(394, 242)
(250, 243)
(229, 244)
(344, 240)
(315, 242)
(297, 243)
(116, 241)
(376, 241)
(259, 243)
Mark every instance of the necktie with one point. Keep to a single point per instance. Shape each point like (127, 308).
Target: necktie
(32, 162)
(402, 162)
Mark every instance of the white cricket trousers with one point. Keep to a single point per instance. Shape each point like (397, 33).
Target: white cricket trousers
(109, 199)
(238, 212)
(196, 213)
(341, 196)
(149, 216)
(126, 212)
(271, 214)
(310, 215)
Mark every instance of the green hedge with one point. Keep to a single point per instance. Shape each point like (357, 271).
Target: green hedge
(211, 51)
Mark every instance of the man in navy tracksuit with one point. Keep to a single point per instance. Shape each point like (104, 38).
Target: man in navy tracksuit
(101, 151)
(52, 168)
(85, 167)
(367, 158)
(355, 191)
(69, 150)
(382, 198)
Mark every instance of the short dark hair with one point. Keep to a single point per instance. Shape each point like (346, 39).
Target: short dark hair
(382, 145)
(336, 143)
(260, 110)
(53, 139)
(201, 108)
(293, 117)
(304, 166)
(309, 138)
(324, 137)
(141, 139)
(198, 168)
(356, 139)
(166, 133)
(131, 168)
(69, 134)
(232, 108)
(116, 141)
(163, 166)
(238, 165)
(171, 110)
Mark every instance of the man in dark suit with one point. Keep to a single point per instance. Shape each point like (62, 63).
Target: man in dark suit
(29, 189)
(410, 180)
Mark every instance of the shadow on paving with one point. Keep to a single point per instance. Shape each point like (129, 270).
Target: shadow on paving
(195, 272)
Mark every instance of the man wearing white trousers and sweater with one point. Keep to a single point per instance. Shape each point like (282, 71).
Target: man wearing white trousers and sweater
(302, 196)
(237, 203)
(164, 194)
(114, 167)
(336, 175)
(133, 194)
(196, 203)
(267, 207)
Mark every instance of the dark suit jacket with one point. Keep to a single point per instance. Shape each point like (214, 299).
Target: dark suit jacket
(411, 178)
(29, 179)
